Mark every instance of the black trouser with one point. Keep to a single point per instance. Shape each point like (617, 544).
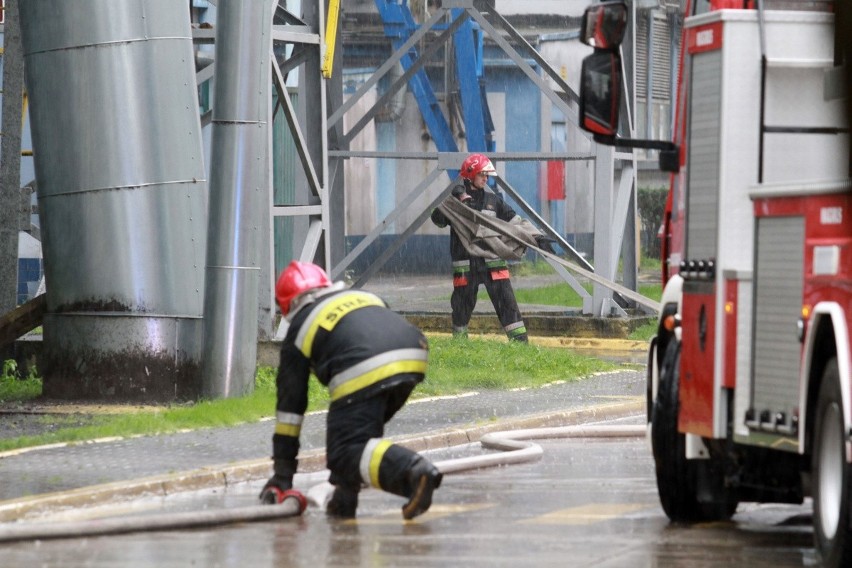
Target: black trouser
(502, 297)
(349, 429)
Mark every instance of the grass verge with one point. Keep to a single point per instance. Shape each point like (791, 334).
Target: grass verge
(645, 332)
(455, 366)
(563, 295)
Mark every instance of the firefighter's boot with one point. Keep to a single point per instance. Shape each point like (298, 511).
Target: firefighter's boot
(343, 503)
(423, 479)
(400, 471)
(517, 332)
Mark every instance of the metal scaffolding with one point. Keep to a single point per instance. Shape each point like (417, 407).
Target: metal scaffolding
(259, 43)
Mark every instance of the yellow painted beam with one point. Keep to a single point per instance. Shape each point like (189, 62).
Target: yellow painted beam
(330, 37)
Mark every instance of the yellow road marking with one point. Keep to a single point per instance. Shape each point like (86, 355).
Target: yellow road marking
(586, 514)
(434, 512)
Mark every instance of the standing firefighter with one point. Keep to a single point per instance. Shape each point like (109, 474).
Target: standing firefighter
(488, 268)
(370, 358)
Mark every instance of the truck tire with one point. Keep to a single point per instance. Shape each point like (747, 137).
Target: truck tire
(677, 476)
(831, 475)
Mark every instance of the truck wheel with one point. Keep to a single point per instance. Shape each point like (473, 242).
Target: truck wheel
(831, 474)
(677, 476)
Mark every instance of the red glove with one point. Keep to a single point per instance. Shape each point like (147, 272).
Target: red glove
(273, 492)
(279, 483)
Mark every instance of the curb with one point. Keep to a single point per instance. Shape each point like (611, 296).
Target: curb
(269, 352)
(310, 461)
(541, 324)
(579, 343)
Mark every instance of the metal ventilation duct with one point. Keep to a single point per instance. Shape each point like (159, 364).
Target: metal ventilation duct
(122, 195)
(239, 195)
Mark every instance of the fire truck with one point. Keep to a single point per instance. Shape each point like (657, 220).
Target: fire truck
(750, 375)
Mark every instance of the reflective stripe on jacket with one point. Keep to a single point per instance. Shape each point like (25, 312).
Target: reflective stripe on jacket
(353, 344)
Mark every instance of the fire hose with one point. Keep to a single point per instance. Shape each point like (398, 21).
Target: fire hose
(292, 505)
(517, 448)
(475, 228)
(514, 447)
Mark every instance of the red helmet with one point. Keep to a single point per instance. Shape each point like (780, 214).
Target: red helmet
(298, 278)
(474, 164)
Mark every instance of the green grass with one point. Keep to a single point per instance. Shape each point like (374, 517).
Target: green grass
(644, 333)
(539, 266)
(651, 264)
(459, 365)
(455, 366)
(14, 388)
(563, 295)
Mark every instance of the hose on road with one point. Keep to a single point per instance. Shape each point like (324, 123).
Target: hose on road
(292, 506)
(514, 446)
(516, 449)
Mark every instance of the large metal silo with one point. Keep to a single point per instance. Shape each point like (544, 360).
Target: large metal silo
(121, 193)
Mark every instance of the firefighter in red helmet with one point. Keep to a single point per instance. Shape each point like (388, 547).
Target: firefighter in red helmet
(469, 271)
(370, 358)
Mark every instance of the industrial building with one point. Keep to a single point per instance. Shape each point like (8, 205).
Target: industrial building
(181, 157)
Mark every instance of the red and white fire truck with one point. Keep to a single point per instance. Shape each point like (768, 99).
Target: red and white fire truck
(750, 374)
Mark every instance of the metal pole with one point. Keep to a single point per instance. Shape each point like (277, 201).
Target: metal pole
(10, 157)
(238, 193)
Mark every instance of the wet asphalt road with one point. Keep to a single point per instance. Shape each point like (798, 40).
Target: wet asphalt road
(70, 467)
(586, 502)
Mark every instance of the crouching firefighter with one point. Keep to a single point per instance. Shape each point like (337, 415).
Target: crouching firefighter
(370, 358)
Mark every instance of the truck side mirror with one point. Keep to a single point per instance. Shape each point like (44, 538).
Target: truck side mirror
(600, 93)
(603, 25)
(603, 28)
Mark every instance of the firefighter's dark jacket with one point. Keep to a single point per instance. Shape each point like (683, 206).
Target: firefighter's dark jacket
(355, 345)
(484, 227)
(484, 200)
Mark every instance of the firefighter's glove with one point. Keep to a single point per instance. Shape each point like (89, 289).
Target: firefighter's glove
(460, 194)
(273, 492)
(545, 243)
